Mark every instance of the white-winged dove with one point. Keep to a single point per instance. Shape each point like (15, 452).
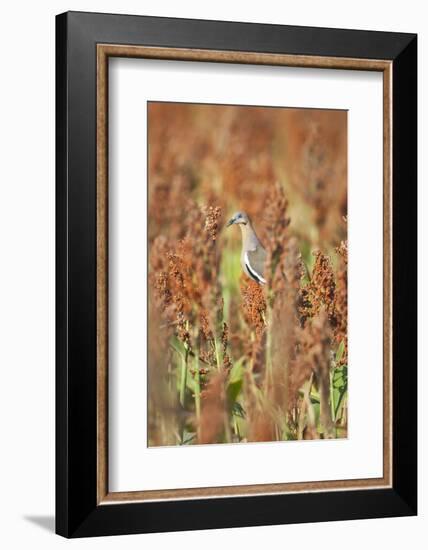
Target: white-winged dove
(253, 255)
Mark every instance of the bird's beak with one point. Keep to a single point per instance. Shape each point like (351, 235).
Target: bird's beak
(230, 222)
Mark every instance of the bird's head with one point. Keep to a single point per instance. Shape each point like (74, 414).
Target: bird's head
(238, 218)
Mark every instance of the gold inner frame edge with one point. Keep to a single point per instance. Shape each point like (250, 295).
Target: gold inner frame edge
(104, 51)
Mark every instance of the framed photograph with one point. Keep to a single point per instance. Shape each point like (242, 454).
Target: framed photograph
(236, 274)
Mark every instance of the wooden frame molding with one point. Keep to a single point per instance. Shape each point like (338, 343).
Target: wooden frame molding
(104, 52)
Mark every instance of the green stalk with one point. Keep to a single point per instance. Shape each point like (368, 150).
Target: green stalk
(269, 373)
(343, 418)
(219, 361)
(332, 404)
(236, 428)
(306, 409)
(218, 354)
(183, 376)
(197, 388)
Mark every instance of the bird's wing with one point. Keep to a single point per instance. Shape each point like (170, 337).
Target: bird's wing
(255, 263)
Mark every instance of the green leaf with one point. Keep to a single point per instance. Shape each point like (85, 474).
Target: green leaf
(314, 395)
(188, 437)
(237, 371)
(317, 409)
(340, 386)
(191, 384)
(235, 380)
(233, 390)
(340, 351)
(177, 345)
(238, 410)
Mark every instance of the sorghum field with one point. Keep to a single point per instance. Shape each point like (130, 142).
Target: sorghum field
(231, 361)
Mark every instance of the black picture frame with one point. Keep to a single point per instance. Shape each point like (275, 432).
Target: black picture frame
(77, 512)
